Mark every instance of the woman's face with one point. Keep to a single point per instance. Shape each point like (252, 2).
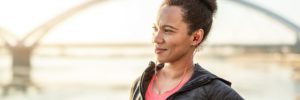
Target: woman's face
(170, 37)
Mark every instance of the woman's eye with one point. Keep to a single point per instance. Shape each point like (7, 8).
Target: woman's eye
(168, 31)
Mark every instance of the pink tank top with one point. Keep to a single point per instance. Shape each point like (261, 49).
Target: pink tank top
(151, 95)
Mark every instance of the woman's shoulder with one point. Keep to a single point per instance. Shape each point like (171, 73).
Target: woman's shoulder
(215, 88)
(218, 89)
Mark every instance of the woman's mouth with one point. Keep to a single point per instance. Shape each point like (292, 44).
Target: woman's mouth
(160, 50)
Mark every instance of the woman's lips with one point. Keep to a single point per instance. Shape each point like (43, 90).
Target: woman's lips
(159, 50)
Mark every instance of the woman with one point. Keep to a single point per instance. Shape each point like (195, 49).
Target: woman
(181, 26)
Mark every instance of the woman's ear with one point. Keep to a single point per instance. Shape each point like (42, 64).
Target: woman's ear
(197, 37)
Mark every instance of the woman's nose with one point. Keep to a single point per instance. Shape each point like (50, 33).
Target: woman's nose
(158, 37)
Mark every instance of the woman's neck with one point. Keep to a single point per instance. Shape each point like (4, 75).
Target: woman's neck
(176, 69)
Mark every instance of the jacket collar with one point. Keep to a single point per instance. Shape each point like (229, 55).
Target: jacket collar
(146, 77)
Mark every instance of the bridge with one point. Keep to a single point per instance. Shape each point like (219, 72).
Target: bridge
(21, 50)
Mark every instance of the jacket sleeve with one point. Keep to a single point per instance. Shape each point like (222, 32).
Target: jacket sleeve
(218, 90)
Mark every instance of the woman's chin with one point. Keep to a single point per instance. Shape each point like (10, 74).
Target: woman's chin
(160, 60)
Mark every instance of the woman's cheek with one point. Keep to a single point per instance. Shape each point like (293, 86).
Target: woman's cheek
(168, 37)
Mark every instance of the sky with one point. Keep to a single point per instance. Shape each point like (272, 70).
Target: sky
(130, 21)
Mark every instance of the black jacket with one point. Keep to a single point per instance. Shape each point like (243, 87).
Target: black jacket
(203, 85)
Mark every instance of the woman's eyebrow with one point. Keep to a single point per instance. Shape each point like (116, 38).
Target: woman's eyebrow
(164, 26)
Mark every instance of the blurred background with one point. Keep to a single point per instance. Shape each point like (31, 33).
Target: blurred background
(94, 49)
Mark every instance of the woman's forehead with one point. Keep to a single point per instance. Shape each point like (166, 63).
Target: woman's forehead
(170, 15)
